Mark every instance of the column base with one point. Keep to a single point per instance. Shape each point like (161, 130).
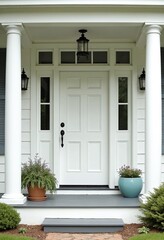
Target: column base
(13, 199)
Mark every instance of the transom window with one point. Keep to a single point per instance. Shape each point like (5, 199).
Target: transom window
(94, 57)
(45, 57)
(123, 57)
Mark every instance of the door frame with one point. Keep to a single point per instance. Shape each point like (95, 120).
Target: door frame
(56, 69)
(56, 118)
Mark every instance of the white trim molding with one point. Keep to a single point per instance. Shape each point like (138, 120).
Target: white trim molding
(83, 2)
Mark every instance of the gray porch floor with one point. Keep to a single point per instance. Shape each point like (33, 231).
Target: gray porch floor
(83, 201)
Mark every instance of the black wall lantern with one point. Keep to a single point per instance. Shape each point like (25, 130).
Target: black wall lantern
(24, 80)
(82, 44)
(142, 80)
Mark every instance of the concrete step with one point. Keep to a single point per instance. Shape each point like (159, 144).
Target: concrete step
(84, 225)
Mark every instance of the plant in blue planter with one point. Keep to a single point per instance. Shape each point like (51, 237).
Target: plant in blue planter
(130, 182)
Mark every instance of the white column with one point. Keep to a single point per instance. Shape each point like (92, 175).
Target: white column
(13, 117)
(153, 108)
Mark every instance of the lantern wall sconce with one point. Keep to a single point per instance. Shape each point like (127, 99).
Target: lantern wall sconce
(142, 80)
(82, 44)
(24, 81)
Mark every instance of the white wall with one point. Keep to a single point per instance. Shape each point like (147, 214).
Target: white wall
(2, 174)
(138, 107)
(140, 115)
(26, 108)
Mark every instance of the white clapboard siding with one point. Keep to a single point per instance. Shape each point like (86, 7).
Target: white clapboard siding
(162, 175)
(26, 126)
(2, 174)
(141, 134)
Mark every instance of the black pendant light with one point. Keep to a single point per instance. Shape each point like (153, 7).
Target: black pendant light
(82, 44)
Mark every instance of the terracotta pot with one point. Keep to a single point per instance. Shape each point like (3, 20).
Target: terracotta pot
(36, 194)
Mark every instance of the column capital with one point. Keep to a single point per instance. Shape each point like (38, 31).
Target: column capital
(153, 29)
(14, 28)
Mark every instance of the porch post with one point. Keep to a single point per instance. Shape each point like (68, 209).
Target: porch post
(13, 117)
(153, 108)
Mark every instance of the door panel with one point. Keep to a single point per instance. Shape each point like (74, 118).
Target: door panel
(94, 113)
(84, 110)
(73, 113)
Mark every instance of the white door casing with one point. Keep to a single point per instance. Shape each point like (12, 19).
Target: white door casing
(84, 111)
(121, 145)
(44, 146)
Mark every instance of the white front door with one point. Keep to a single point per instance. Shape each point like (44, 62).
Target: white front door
(84, 112)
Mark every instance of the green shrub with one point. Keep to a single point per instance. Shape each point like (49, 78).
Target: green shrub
(22, 230)
(37, 173)
(153, 210)
(149, 236)
(128, 172)
(9, 218)
(143, 230)
(14, 237)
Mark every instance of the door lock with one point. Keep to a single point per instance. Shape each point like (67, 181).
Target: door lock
(62, 124)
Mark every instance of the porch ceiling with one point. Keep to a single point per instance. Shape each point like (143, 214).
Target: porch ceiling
(96, 32)
(68, 33)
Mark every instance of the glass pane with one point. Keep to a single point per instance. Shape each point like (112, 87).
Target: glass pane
(45, 117)
(123, 89)
(99, 57)
(45, 57)
(67, 57)
(84, 59)
(122, 57)
(123, 117)
(45, 89)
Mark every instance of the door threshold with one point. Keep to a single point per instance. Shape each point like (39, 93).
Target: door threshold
(83, 187)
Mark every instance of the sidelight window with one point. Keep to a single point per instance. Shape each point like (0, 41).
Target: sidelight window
(45, 103)
(122, 103)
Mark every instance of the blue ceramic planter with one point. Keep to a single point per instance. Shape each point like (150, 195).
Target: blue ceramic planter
(130, 187)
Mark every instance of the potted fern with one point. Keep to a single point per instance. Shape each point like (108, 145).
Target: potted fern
(37, 177)
(130, 182)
